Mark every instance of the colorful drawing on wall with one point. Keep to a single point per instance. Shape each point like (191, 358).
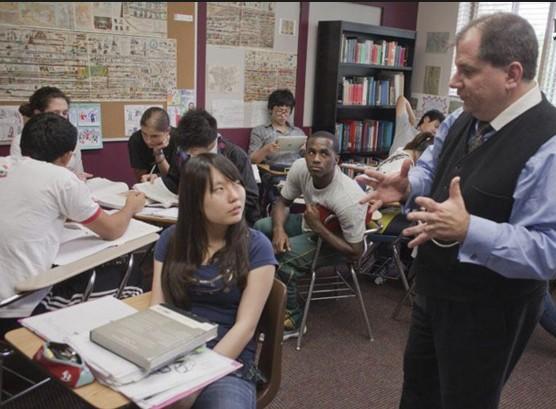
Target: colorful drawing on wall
(179, 101)
(437, 43)
(11, 123)
(429, 102)
(287, 27)
(90, 137)
(132, 117)
(431, 82)
(88, 114)
(88, 121)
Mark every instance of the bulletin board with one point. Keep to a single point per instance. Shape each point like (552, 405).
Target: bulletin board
(112, 53)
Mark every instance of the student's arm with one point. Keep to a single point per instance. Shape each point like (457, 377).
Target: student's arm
(258, 150)
(279, 214)
(312, 218)
(157, 296)
(160, 160)
(139, 174)
(253, 299)
(113, 226)
(403, 105)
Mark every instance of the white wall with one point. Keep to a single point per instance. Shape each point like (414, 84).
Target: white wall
(434, 17)
(326, 11)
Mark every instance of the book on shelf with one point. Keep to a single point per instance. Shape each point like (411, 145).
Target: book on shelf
(373, 52)
(369, 135)
(382, 90)
(172, 333)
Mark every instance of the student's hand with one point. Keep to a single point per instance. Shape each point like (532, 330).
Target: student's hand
(387, 188)
(271, 148)
(447, 221)
(83, 176)
(280, 241)
(149, 177)
(312, 216)
(135, 201)
(163, 144)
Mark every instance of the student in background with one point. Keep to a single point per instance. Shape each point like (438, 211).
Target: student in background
(262, 143)
(152, 149)
(412, 151)
(49, 99)
(264, 149)
(324, 188)
(197, 132)
(38, 194)
(405, 123)
(211, 263)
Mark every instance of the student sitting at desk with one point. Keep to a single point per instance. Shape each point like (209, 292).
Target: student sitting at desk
(49, 99)
(152, 149)
(38, 194)
(211, 263)
(263, 148)
(197, 132)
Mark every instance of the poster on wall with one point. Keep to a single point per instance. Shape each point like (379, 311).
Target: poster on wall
(251, 52)
(86, 117)
(11, 123)
(437, 43)
(132, 117)
(432, 80)
(179, 101)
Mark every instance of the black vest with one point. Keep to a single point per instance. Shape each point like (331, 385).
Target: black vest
(489, 177)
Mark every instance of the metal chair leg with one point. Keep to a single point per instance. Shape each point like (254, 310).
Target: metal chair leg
(306, 309)
(90, 286)
(361, 302)
(125, 279)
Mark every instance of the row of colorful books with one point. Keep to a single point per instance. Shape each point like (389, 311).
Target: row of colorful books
(383, 90)
(377, 52)
(369, 135)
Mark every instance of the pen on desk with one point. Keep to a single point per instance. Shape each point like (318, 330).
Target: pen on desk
(152, 169)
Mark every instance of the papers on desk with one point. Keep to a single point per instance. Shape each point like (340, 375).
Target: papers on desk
(169, 214)
(178, 380)
(158, 192)
(79, 242)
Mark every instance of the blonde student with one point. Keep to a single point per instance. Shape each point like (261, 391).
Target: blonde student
(211, 263)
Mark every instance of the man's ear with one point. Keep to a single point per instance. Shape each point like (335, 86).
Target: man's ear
(64, 159)
(514, 75)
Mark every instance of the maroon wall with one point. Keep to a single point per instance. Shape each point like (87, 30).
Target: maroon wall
(112, 161)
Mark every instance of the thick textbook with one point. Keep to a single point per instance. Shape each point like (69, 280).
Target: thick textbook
(154, 337)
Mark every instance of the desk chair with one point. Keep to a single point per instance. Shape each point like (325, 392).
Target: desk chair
(335, 286)
(271, 324)
(390, 234)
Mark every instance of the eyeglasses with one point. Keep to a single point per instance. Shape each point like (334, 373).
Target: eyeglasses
(282, 110)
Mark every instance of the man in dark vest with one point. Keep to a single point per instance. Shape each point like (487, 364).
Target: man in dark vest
(485, 222)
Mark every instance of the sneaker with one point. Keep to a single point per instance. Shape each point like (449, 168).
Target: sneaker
(293, 333)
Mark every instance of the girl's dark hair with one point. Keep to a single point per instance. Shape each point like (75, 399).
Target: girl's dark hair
(47, 136)
(421, 142)
(40, 100)
(189, 243)
(433, 115)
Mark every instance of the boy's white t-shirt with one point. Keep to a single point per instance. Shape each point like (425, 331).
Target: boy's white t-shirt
(36, 199)
(341, 197)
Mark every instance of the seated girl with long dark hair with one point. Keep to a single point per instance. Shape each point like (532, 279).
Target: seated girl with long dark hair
(211, 263)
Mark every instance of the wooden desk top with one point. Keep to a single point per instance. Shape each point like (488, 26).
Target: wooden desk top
(266, 168)
(156, 220)
(61, 273)
(98, 395)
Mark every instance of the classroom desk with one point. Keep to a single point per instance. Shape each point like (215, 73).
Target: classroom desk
(266, 168)
(61, 273)
(97, 395)
(156, 220)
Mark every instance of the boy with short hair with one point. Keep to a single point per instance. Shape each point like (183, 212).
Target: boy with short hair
(38, 194)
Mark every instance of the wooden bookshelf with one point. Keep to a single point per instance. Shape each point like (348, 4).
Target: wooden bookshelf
(361, 69)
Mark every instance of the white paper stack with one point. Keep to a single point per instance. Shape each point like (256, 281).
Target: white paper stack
(173, 382)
